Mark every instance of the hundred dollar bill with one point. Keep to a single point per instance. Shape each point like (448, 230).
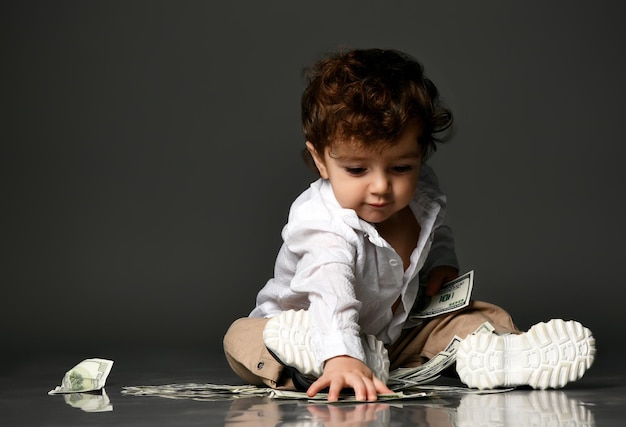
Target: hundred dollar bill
(410, 378)
(88, 375)
(452, 296)
(194, 391)
(221, 392)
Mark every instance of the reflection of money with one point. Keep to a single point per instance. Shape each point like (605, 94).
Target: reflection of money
(88, 375)
(89, 402)
(452, 296)
(343, 398)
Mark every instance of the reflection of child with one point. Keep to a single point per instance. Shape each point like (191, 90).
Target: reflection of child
(361, 239)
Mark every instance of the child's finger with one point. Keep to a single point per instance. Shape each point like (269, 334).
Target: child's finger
(381, 387)
(334, 390)
(372, 393)
(316, 387)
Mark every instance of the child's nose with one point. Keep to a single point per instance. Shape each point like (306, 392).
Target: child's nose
(381, 184)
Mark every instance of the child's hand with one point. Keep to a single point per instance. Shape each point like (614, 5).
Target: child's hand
(346, 371)
(438, 276)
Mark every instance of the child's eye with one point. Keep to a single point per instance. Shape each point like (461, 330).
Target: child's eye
(402, 168)
(355, 170)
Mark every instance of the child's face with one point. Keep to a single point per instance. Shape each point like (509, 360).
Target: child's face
(375, 183)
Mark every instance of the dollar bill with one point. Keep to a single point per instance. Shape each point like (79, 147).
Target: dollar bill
(194, 391)
(452, 296)
(88, 375)
(410, 378)
(220, 392)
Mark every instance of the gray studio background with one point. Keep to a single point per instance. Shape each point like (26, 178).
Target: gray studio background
(151, 150)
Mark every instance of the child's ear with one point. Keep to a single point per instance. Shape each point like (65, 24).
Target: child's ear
(319, 160)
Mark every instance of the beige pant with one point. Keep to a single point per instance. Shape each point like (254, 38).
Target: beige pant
(249, 358)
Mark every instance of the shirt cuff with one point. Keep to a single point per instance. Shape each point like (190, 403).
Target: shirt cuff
(328, 346)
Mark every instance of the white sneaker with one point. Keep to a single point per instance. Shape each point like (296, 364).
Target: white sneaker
(549, 355)
(288, 337)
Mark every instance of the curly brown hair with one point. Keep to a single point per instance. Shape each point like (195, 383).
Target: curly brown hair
(369, 96)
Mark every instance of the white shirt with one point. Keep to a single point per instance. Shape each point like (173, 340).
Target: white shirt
(339, 268)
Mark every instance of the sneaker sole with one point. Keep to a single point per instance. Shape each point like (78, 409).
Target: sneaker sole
(288, 337)
(377, 357)
(549, 355)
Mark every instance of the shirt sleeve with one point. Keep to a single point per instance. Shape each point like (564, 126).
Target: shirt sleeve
(325, 271)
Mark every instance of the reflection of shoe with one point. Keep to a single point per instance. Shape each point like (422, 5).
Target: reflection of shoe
(288, 337)
(541, 408)
(549, 355)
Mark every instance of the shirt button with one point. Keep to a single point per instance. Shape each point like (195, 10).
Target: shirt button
(393, 262)
(260, 365)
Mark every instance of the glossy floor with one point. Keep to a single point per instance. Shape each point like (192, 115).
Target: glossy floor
(598, 399)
